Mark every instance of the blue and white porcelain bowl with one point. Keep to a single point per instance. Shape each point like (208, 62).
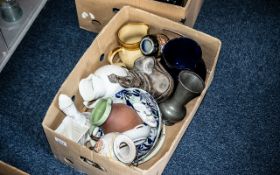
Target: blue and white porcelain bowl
(147, 108)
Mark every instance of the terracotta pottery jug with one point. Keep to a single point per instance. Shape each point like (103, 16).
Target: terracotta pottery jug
(114, 117)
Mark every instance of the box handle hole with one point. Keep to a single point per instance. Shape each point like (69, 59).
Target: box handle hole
(73, 98)
(94, 22)
(183, 20)
(91, 163)
(101, 58)
(115, 10)
(68, 161)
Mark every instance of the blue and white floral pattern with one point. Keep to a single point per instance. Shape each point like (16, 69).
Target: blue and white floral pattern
(147, 108)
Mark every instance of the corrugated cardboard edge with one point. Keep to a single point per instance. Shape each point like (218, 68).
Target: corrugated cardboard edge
(193, 12)
(6, 169)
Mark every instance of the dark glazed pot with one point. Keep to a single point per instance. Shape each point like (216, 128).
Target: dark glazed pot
(183, 54)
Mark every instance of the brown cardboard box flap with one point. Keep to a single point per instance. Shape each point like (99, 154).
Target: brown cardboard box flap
(6, 169)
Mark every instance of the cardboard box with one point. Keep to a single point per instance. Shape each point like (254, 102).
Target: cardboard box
(90, 162)
(6, 169)
(93, 15)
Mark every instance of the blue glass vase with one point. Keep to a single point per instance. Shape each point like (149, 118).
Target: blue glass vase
(183, 54)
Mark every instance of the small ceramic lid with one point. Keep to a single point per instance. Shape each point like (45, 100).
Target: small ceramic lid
(101, 111)
(147, 46)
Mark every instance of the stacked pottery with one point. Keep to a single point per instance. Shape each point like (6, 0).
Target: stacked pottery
(150, 79)
(148, 110)
(133, 113)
